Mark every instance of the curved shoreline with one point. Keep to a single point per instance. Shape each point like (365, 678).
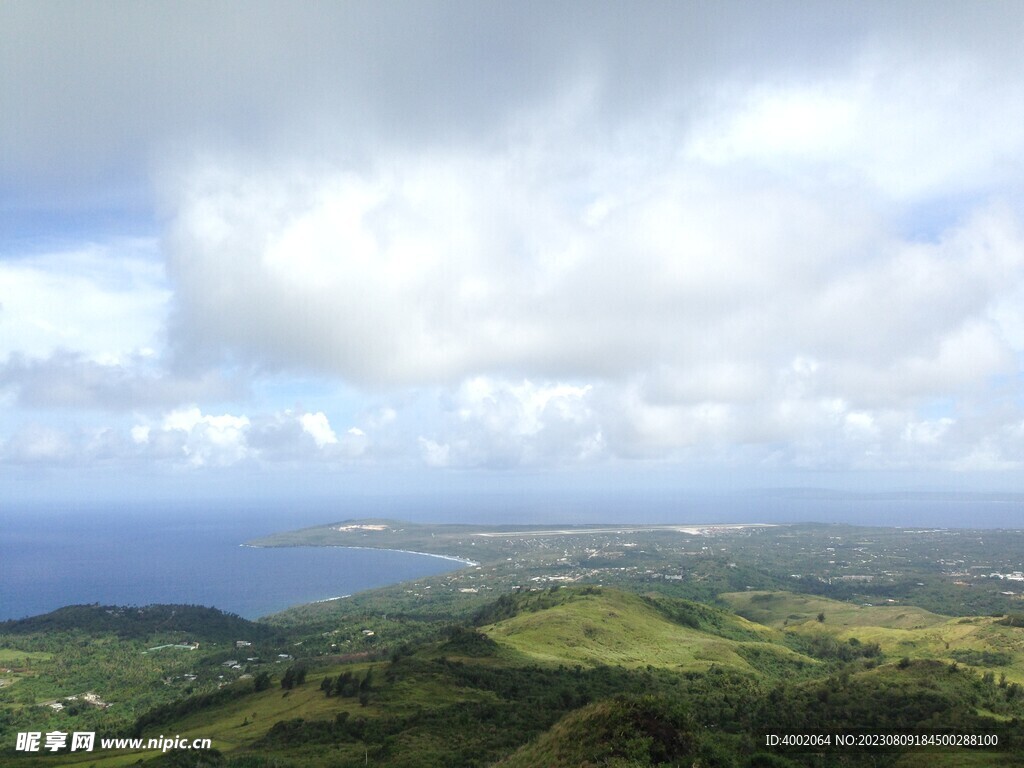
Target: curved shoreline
(463, 560)
(409, 552)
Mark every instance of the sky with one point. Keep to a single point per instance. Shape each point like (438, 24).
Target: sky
(275, 249)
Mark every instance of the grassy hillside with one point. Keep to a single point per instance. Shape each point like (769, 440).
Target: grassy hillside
(591, 676)
(93, 668)
(601, 626)
(790, 609)
(982, 642)
(623, 731)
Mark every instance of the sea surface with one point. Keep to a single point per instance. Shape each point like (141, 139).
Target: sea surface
(142, 554)
(51, 559)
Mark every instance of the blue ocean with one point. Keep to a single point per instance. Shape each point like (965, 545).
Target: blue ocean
(136, 555)
(53, 558)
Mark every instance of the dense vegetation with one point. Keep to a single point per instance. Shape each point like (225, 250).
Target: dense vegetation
(135, 623)
(499, 664)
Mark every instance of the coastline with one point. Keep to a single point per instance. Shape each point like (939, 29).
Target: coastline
(109, 563)
(464, 561)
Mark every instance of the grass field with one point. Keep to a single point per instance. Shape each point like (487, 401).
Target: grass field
(430, 689)
(14, 657)
(901, 631)
(621, 629)
(237, 723)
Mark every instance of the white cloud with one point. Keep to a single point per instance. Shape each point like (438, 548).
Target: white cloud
(192, 438)
(317, 427)
(860, 426)
(104, 302)
(381, 417)
(209, 440)
(434, 454)
(699, 309)
(39, 443)
(781, 123)
(907, 126)
(71, 381)
(489, 275)
(680, 243)
(493, 423)
(928, 432)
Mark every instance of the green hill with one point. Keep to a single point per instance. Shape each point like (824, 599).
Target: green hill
(985, 642)
(129, 622)
(623, 731)
(591, 676)
(591, 625)
(779, 609)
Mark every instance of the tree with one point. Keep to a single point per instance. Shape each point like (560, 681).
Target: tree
(294, 675)
(261, 682)
(345, 685)
(288, 679)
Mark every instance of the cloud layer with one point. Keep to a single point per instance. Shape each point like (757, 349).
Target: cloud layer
(537, 237)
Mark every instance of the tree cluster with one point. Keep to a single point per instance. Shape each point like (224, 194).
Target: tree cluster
(293, 676)
(347, 684)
